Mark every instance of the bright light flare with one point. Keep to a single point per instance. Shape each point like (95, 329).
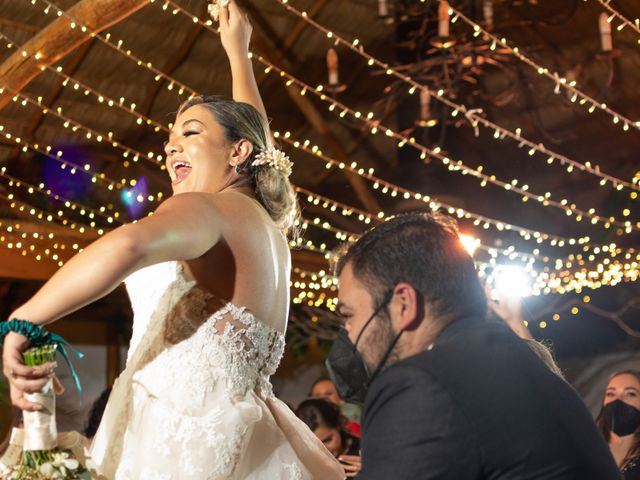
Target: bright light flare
(510, 281)
(469, 243)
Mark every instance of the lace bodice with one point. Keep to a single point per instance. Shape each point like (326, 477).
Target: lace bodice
(194, 401)
(200, 351)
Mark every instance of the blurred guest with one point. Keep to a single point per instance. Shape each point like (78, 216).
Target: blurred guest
(323, 387)
(328, 424)
(509, 309)
(619, 419)
(448, 395)
(95, 414)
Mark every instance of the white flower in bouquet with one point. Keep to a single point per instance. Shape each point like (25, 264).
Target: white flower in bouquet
(59, 466)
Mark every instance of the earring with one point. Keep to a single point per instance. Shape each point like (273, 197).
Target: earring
(238, 169)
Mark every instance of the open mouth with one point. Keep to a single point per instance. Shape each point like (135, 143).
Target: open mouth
(181, 169)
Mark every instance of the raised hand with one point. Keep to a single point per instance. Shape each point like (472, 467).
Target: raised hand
(235, 31)
(509, 309)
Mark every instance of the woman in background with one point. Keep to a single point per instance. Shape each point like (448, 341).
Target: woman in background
(328, 424)
(619, 421)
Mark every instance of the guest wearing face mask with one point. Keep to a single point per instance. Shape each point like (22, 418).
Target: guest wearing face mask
(448, 395)
(619, 420)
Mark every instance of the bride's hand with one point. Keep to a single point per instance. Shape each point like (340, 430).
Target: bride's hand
(235, 31)
(23, 379)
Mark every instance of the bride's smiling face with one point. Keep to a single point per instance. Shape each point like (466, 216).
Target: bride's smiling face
(198, 154)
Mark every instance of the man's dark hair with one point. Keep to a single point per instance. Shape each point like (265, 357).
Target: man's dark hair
(422, 249)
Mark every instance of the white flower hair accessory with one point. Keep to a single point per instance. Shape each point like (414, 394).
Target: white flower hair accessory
(272, 157)
(215, 6)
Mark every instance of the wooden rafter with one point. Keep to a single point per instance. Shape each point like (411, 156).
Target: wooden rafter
(295, 32)
(59, 38)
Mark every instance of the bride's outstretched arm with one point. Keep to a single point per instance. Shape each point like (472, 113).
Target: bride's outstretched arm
(235, 34)
(180, 229)
(184, 227)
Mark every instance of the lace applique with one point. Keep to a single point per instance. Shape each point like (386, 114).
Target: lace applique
(293, 472)
(228, 457)
(254, 343)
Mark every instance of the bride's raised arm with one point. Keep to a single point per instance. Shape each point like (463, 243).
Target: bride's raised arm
(235, 34)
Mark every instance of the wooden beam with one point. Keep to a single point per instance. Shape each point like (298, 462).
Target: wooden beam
(59, 38)
(13, 265)
(19, 25)
(313, 116)
(309, 260)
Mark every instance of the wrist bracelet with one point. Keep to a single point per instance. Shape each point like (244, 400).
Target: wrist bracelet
(39, 336)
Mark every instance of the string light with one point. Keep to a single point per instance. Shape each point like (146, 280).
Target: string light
(314, 288)
(17, 239)
(561, 83)
(28, 248)
(394, 191)
(335, 206)
(453, 166)
(561, 281)
(95, 135)
(70, 204)
(456, 166)
(24, 208)
(71, 82)
(179, 87)
(174, 14)
(510, 253)
(18, 229)
(73, 167)
(340, 234)
(472, 115)
(635, 25)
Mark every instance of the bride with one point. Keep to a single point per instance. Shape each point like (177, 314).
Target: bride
(208, 277)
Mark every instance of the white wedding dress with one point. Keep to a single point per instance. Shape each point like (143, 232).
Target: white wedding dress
(194, 401)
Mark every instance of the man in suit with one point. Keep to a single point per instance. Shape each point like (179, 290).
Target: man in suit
(448, 394)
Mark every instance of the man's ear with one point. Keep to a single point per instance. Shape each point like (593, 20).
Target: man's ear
(240, 151)
(406, 307)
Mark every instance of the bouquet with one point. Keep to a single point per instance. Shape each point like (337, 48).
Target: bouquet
(215, 6)
(37, 452)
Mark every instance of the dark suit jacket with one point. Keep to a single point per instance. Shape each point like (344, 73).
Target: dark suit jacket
(479, 405)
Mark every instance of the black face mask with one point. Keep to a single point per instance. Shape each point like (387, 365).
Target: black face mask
(346, 367)
(621, 418)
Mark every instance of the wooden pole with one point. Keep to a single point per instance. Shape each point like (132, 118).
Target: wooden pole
(59, 38)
